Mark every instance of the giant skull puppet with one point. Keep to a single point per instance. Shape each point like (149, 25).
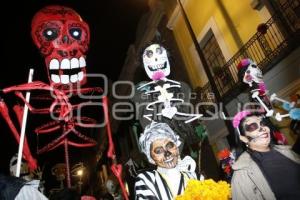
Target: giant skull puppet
(63, 38)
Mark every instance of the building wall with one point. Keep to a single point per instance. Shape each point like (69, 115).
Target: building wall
(233, 23)
(236, 22)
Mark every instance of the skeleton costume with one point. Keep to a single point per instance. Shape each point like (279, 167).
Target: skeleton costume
(172, 173)
(162, 99)
(250, 74)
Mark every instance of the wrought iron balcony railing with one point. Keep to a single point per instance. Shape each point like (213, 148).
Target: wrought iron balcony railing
(274, 41)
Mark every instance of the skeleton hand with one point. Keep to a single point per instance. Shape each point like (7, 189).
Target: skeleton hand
(38, 173)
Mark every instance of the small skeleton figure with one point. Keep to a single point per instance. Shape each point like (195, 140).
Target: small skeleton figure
(163, 99)
(33, 176)
(250, 74)
(113, 189)
(24, 173)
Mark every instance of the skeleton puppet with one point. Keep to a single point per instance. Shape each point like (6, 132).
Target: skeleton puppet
(250, 74)
(164, 100)
(63, 39)
(161, 146)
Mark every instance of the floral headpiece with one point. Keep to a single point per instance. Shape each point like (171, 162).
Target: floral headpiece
(238, 118)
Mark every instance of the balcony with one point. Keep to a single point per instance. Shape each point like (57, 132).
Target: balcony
(273, 41)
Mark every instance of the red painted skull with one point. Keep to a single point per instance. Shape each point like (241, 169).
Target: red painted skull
(63, 38)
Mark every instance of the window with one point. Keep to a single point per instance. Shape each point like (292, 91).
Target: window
(215, 60)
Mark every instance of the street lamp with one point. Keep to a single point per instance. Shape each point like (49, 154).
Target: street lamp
(78, 171)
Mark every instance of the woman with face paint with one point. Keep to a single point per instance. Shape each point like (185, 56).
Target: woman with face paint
(160, 144)
(263, 171)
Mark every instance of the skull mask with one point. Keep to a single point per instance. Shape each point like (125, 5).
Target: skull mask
(156, 63)
(165, 153)
(111, 186)
(62, 38)
(24, 170)
(252, 74)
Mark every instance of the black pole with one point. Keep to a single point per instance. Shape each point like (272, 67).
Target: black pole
(213, 85)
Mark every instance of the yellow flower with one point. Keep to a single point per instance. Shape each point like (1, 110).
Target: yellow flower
(206, 190)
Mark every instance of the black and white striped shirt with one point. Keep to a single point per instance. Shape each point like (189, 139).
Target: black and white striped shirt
(151, 185)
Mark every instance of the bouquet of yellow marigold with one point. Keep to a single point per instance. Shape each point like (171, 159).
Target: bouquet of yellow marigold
(206, 190)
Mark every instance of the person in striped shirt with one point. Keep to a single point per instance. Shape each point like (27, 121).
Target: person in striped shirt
(160, 144)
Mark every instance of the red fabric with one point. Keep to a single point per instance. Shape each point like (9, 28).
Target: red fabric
(87, 197)
(280, 138)
(32, 163)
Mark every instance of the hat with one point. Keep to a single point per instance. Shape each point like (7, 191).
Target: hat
(244, 63)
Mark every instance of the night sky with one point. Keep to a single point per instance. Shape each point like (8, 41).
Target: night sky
(112, 25)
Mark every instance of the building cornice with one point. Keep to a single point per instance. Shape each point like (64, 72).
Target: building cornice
(175, 15)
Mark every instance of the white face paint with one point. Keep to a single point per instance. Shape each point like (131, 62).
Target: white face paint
(253, 74)
(156, 62)
(165, 153)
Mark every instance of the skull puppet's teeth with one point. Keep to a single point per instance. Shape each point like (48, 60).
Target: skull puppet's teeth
(55, 78)
(68, 71)
(74, 78)
(65, 79)
(74, 63)
(54, 64)
(65, 64)
(158, 66)
(82, 62)
(80, 76)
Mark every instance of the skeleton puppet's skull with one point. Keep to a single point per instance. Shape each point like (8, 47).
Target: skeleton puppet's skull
(165, 153)
(252, 74)
(156, 63)
(62, 38)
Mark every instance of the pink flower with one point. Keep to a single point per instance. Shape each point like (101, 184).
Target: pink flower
(158, 75)
(238, 117)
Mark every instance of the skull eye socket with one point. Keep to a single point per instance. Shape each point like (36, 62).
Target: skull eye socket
(158, 50)
(75, 33)
(254, 66)
(159, 150)
(170, 145)
(149, 53)
(50, 34)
